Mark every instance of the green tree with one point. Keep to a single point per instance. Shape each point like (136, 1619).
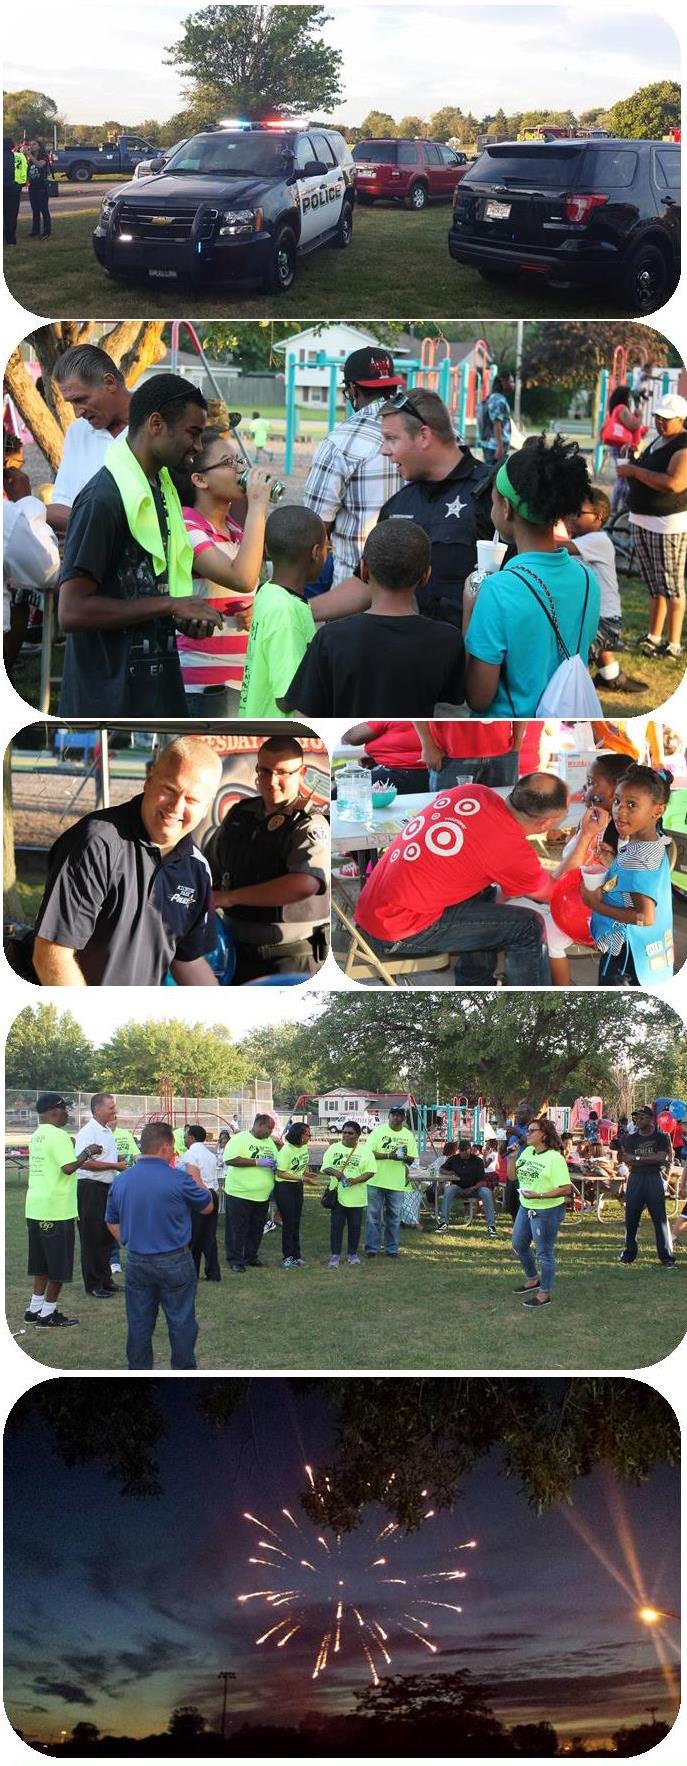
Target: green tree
(499, 126)
(573, 354)
(47, 1047)
(412, 129)
(377, 123)
(537, 1740)
(435, 1707)
(29, 113)
(84, 1736)
(250, 344)
(137, 1054)
(259, 60)
(648, 114)
(186, 1723)
(446, 123)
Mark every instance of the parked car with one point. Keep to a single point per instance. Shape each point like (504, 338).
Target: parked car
(577, 213)
(89, 159)
(414, 172)
(242, 203)
(146, 167)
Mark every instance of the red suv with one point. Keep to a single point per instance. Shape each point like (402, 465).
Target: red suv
(415, 172)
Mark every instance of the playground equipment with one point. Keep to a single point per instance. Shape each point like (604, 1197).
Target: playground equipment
(461, 385)
(191, 1095)
(458, 1120)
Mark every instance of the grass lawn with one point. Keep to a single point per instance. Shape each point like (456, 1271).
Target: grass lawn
(447, 1303)
(397, 266)
(662, 675)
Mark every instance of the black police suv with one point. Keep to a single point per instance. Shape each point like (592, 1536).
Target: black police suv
(242, 204)
(575, 213)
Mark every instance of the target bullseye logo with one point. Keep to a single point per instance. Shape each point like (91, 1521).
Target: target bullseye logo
(467, 806)
(445, 839)
(416, 826)
(412, 850)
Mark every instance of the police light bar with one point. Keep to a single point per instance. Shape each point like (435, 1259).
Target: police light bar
(234, 123)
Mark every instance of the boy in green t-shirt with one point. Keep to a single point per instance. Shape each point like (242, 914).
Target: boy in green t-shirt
(250, 1161)
(282, 626)
(350, 1164)
(395, 1150)
(51, 1209)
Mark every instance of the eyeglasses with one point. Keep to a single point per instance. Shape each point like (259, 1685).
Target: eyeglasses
(277, 772)
(227, 460)
(401, 402)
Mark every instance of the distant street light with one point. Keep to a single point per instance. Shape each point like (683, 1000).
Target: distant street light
(651, 1615)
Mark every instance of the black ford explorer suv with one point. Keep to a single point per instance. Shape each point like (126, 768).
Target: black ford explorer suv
(576, 213)
(239, 203)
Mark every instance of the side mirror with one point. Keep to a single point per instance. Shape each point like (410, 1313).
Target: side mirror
(314, 168)
(157, 165)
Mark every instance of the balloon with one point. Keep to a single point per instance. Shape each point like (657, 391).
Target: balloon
(678, 1109)
(570, 912)
(666, 1122)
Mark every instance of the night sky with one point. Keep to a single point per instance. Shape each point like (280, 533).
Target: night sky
(118, 1609)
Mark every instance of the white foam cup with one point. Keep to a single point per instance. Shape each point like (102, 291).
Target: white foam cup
(490, 555)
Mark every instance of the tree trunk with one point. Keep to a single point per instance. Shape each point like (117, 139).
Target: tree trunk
(134, 346)
(9, 871)
(45, 429)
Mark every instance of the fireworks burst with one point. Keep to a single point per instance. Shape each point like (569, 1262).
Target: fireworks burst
(366, 1632)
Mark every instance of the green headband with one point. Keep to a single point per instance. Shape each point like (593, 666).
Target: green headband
(506, 488)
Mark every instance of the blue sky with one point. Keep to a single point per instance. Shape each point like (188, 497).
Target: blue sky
(106, 60)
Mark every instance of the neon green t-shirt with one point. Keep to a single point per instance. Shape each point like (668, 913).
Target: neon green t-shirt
(281, 630)
(541, 1172)
(260, 431)
(240, 1180)
(179, 1141)
(51, 1195)
(292, 1162)
(126, 1145)
(355, 1160)
(390, 1172)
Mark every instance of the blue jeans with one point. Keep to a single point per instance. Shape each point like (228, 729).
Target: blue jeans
(495, 769)
(479, 928)
(483, 1194)
(538, 1232)
(390, 1200)
(212, 702)
(165, 1279)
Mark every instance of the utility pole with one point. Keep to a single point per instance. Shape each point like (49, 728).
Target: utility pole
(226, 1676)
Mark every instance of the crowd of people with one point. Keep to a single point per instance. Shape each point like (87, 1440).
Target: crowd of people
(184, 591)
(161, 1197)
(131, 900)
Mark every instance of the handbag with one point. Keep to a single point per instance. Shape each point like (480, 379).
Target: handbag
(328, 1198)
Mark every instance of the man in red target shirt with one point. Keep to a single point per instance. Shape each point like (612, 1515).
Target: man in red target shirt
(433, 888)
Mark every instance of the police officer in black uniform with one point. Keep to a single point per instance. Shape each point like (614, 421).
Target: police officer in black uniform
(446, 492)
(270, 870)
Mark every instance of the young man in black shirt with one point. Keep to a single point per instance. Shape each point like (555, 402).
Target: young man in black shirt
(128, 895)
(467, 1171)
(390, 656)
(648, 1154)
(125, 584)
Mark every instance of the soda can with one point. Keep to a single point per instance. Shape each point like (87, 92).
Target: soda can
(276, 487)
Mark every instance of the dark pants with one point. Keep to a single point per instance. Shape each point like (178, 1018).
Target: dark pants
(204, 1241)
(496, 769)
(479, 928)
(40, 208)
(96, 1238)
(511, 1196)
(645, 1190)
(168, 1280)
(338, 1219)
(11, 198)
(303, 957)
(243, 1227)
(618, 971)
(406, 779)
(289, 1200)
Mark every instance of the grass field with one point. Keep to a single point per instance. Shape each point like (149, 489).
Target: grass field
(448, 1302)
(398, 264)
(662, 675)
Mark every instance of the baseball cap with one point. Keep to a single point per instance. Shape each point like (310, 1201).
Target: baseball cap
(671, 406)
(51, 1100)
(370, 367)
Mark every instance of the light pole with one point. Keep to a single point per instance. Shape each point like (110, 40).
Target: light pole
(226, 1676)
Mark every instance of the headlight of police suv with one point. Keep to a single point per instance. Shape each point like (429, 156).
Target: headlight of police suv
(240, 220)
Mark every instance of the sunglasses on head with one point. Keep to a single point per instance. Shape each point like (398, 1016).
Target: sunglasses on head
(401, 402)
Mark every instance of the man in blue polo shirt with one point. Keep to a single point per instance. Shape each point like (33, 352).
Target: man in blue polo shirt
(150, 1208)
(128, 891)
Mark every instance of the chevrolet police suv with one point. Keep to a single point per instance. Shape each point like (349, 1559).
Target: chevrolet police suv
(236, 204)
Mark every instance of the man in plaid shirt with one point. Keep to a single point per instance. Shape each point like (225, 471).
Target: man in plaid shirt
(350, 479)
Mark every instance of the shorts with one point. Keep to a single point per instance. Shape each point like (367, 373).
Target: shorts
(51, 1249)
(662, 558)
(608, 634)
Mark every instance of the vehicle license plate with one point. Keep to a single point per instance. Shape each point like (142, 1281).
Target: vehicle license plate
(497, 211)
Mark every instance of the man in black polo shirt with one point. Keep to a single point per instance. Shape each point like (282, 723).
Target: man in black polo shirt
(270, 869)
(648, 1154)
(128, 893)
(126, 582)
